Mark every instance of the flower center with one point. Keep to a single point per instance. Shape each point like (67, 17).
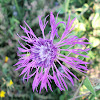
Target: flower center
(44, 52)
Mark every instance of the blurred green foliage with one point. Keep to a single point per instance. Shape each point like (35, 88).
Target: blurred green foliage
(14, 12)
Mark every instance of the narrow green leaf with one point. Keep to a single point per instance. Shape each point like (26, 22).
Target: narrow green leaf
(92, 97)
(66, 5)
(17, 7)
(88, 85)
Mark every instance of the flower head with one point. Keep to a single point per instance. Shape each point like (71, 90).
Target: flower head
(38, 56)
(2, 94)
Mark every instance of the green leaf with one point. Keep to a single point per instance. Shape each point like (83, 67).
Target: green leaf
(92, 97)
(62, 97)
(88, 85)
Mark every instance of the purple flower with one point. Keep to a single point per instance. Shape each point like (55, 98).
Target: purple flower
(38, 56)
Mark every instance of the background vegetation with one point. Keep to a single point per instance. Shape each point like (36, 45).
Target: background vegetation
(14, 12)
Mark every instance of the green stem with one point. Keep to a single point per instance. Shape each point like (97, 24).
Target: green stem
(66, 7)
(77, 91)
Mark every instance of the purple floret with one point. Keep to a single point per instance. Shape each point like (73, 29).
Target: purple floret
(44, 52)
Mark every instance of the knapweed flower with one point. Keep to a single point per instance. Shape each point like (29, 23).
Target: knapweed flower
(2, 94)
(41, 58)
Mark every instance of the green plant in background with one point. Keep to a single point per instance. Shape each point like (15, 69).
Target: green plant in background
(14, 12)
